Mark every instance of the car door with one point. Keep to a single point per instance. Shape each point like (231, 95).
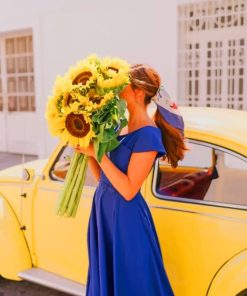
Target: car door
(199, 210)
(60, 243)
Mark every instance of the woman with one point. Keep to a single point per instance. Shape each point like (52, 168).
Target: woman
(124, 253)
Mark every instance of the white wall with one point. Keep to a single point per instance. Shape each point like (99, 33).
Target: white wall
(65, 31)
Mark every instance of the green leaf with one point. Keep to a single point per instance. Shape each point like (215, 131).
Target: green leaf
(101, 133)
(113, 144)
(101, 151)
(124, 122)
(107, 135)
(96, 144)
(121, 104)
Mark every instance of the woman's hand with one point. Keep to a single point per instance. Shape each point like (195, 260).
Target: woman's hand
(87, 151)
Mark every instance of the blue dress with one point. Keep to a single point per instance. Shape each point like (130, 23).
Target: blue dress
(124, 253)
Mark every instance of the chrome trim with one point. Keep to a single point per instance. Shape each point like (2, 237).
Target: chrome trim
(16, 183)
(48, 189)
(52, 280)
(42, 176)
(62, 184)
(57, 190)
(200, 202)
(194, 201)
(200, 213)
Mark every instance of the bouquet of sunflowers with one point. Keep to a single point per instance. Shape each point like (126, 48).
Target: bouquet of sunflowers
(85, 107)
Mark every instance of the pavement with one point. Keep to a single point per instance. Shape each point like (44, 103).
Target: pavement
(24, 288)
(21, 288)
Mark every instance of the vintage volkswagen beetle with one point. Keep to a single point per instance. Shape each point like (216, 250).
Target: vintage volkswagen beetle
(199, 209)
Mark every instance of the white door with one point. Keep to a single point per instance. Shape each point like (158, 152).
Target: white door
(3, 140)
(18, 117)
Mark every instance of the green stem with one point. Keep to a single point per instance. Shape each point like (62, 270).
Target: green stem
(78, 197)
(77, 187)
(67, 181)
(70, 191)
(69, 188)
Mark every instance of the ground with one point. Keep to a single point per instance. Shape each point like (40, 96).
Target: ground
(23, 288)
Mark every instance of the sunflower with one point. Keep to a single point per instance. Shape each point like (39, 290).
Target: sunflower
(51, 116)
(116, 82)
(111, 66)
(97, 101)
(56, 127)
(93, 59)
(84, 74)
(78, 91)
(113, 74)
(61, 93)
(76, 126)
(51, 109)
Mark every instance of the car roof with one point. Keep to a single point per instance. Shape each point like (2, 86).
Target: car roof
(221, 126)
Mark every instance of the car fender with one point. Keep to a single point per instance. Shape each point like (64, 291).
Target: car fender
(14, 253)
(231, 278)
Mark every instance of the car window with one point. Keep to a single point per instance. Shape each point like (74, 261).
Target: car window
(61, 165)
(206, 174)
(233, 162)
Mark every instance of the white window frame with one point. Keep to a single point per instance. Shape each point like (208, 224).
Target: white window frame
(4, 74)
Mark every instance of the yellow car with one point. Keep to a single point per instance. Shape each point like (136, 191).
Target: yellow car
(199, 210)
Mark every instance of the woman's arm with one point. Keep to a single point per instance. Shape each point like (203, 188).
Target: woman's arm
(126, 184)
(94, 167)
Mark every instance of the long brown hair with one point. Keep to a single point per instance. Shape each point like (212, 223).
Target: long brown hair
(148, 80)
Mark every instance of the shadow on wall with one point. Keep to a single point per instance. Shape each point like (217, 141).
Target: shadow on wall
(10, 159)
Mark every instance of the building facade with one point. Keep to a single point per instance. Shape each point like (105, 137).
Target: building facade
(41, 39)
(198, 47)
(212, 53)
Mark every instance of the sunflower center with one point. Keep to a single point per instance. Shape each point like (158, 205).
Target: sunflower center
(76, 125)
(113, 69)
(70, 100)
(96, 100)
(82, 78)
